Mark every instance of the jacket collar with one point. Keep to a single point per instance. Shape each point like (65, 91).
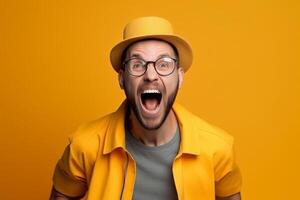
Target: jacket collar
(115, 133)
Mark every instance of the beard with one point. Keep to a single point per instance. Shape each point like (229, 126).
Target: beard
(167, 108)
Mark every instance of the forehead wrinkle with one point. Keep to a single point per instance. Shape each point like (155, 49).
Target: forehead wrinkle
(152, 48)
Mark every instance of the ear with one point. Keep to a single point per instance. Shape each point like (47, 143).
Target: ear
(121, 78)
(180, 76)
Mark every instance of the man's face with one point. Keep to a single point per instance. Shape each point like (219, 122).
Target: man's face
(151, 96)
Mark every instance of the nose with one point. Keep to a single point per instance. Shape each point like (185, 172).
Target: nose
(150, 74)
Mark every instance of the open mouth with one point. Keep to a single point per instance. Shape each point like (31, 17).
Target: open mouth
(151, 99)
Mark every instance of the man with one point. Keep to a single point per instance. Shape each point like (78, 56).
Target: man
(149, 148)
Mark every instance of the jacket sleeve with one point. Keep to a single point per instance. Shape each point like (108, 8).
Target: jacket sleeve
(228, 179)
(69, 176)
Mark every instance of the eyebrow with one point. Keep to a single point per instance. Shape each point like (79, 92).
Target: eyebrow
(135, 55)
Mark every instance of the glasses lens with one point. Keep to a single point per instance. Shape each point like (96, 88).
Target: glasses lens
(136, 66)
(165, 66)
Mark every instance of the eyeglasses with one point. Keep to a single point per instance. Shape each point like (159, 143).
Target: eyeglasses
(164, 66)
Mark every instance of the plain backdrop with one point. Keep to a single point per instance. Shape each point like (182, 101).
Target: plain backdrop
(55, 74)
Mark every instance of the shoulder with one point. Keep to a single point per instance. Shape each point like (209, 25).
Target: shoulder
(88, 138)
(209, 137)
(212, 134)
(215, 143)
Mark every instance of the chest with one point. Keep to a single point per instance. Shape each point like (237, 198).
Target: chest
(114, 177)
(154, 177)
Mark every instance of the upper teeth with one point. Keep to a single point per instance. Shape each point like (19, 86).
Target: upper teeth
(150, 91)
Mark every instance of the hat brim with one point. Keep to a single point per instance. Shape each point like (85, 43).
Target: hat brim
(183, 48)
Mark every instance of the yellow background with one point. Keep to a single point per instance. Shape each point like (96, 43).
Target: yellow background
(55, 74)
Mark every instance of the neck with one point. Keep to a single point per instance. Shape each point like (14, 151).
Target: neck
(156, 137)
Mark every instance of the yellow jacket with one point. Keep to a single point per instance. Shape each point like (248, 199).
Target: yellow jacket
(97, 163)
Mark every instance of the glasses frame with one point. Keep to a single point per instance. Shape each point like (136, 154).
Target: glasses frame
(146, 63)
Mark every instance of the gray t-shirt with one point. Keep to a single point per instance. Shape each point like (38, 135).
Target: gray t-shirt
(154, 178)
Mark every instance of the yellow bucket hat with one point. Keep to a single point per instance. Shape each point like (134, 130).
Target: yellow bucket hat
(151, 28)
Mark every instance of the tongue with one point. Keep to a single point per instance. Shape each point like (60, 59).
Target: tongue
(151, 104)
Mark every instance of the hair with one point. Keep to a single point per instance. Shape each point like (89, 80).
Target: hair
(124, 53)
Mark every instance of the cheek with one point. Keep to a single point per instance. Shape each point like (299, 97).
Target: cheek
(130, 86)
(171, 85)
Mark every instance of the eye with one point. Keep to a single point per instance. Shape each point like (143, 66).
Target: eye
(136, 65)
(163, 65)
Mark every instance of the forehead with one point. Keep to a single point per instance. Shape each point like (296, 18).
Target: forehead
(150, 48)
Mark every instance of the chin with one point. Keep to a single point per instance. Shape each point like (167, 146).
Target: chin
(151, 125)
